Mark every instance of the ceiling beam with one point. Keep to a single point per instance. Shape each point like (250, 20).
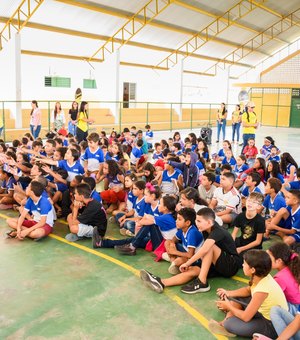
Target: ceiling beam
(208, 33)
(279, 27)
(130, 43)
(126, 15)
(122, 63)
(61, 56)
(25, 10)
(234, 23)
(131, 27)
(277, 14)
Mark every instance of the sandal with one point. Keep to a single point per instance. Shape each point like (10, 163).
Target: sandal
(11, 234)
(217, 328)
(16, 207)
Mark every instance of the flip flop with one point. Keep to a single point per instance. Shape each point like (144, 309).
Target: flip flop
(16, 207)
(11, 234)
(216, 328)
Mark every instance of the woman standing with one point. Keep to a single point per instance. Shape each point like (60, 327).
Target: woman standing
(236, 122)
(58, 119)
(35, 119)
(250, 123)
(221, 121)
(73, 113)
(83, 121)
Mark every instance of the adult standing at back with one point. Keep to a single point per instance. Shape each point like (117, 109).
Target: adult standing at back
(58, 118)
(236, 122)
(250, 123)
(73, 113)
(83, 122)
(35, 119)
(221, 121)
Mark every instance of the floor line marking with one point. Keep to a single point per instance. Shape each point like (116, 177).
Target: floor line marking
(180, 302)
(188, 308)
(192, 311)
(236, 278)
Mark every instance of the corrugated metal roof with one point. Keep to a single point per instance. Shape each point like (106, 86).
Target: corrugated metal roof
(168, 31)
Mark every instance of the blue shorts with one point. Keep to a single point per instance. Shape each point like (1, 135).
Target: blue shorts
(296, 237)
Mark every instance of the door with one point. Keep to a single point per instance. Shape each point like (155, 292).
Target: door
(295, 109)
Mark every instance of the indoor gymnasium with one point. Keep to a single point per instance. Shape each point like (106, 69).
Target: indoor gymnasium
(149, 169)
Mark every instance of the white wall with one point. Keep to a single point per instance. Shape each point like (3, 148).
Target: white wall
(152, 85)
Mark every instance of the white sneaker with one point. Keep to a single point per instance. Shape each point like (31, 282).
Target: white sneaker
(166, 257)
(173, 269)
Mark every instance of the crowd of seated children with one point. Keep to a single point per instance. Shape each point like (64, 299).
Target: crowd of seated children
(256, 196)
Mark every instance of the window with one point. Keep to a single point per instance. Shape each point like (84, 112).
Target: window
(57, 82)
(89, 84)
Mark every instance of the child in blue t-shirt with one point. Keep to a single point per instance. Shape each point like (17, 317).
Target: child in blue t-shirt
(274, 200)
(170, 181)
(136, 153)
(229, 158)
(149, 136)
(290, 233)
(292, 185)
(127, 225)
(39, 206)
(177, 149)
(93, 156)
(221, 153)
(161, 227)
(7, 188)
(273, 155)
(125, 209)
(240, 166)
(158, 227)
(71, 164)
(157, 154)
(266, 148)
(186, 242)
(251, 185)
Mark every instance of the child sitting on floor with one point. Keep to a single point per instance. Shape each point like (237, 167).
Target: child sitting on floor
(92, 215)
(186, 242)
(40, 208)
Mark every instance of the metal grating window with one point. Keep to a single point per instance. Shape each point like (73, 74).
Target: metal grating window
(57, 82)
(89, 84)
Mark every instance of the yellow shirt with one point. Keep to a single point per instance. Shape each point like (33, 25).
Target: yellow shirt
(252, 120)
(82, 125)
(235, 117)
(222, 115)
(275, 296)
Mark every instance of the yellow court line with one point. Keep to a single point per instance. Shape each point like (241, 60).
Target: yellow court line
(192, 311)
(241, 279)
(189, 309)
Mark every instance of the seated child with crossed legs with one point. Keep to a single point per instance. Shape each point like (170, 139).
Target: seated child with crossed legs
(187, 240)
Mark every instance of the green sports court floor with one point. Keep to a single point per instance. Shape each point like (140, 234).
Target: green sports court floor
(54, 289)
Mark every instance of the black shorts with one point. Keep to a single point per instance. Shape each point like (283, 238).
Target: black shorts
(227, 265)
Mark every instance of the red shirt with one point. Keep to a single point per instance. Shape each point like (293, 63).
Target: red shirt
(250, 152)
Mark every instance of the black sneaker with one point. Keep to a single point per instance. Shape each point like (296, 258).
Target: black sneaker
(151, 281)
(196, 286)
(97, 239)
(126, 249)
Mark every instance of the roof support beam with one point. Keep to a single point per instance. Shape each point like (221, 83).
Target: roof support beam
(132, 27)
(253, 44)
(199, 10)
(154, 23)
(130, 43)
(207, 34)
(123, 63)
(19, 19)
(267, 9)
